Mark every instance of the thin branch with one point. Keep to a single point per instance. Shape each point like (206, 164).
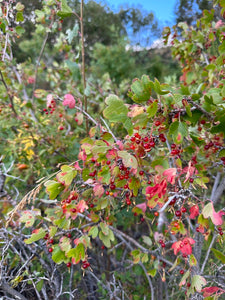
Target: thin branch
(219, 191)
(215, 185)
(109, 130)
(208, 115)
(149, 280)
(207, 254)
(8, 93)
(83, 58)
(38, 61)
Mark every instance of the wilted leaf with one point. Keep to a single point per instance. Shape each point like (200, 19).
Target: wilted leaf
(198, 282)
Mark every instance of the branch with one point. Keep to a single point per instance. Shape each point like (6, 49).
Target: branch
(109, 130)
(83, 58)
(219, 191)
(149, 280)
(8, 289)
(207, 254)
(8, 93)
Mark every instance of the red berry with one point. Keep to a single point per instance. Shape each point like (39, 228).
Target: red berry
(173, 201)
(145, 139)
(173, 152)
(92, 205)
(73, 210)
(51, 241)
(183, 210)
(137, 135)
(68, 264)
(108, 162)
(50, 250)
(125, 186)
(152, 144)
(128, 201)
(220, 228)
(132, 147)
(112, 186)
(163, 139)
(202, 122)
(191, 180)
(221, 232)
(61, 128)
(133, 139)
(107, 193)
(163, 245)
(182, 272)
(69, 235)
(178, 213)
(157, 123)
(156, 213)
(141, 173)
(197, 229)
(173, 146)
(160, 241)
(188, 284)
(102, 247)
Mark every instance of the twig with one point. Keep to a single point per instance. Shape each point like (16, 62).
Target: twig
(215, 185)
(201, 109)
(8, 93)
(219, 191)
(38, 62)
(208, 252)
(83, 58)
(109, 130)
(149, 280)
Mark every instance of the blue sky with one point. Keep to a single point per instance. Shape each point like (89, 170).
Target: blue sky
(163, 9)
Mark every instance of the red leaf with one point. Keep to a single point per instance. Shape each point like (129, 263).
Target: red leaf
(194, 212)
(69, 101)
(208, 291)
(183, 246)
(98, 190)
(190, 171)
(142, 206)
(170, 175)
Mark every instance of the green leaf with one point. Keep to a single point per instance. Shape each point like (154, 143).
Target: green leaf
(136, 255)
(147, 240)
(77, 253)
(116, 110)
(58, 256)
(71, 34)
(52, 231)
(134, 185)
(152, 109)
(28, 217)
(141, 89)
(184, 278)
(152, 272)
(219, 255)
(104, 227)
(53, 188)
(64, 244)
(159, 88)
(198, 282)
(105, 239)
(67, 175)
(19, 18)
(19, 6)
(37, 235)
(192, 260)
(39, 285)
(93, 232)
(66, 11)
(178, 130)
(129, 160)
